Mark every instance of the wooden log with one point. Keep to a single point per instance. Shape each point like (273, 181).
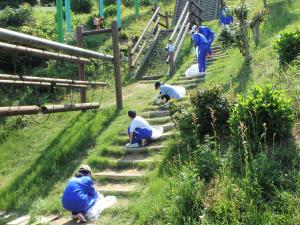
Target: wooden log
(95, 32)
(42, 54)
(12, 36)
(145, 30)
(69, 107)
(42, 84)
(50, 80)
(19, 110)
(117, 65)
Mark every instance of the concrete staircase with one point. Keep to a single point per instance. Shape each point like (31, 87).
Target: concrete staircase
(209, 7)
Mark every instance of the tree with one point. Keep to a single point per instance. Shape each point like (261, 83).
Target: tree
(237, 35)
(257, 19)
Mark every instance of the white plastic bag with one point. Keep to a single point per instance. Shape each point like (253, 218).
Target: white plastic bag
(192, 71)
(102, 203)
(157, 132)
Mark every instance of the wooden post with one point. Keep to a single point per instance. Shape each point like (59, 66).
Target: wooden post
(117, 64)
(81, 74)
(129, 58)
(171, 64)
(167, 20)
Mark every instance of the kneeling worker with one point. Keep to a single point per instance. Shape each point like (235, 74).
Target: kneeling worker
(140, 132)
(167, 92)
(81, 198)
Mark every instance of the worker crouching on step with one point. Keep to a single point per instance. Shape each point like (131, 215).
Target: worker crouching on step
(81, 198)
(140, 132)
(167, 92)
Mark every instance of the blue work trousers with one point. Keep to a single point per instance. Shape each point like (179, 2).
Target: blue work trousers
(140, 134)
(203, 50)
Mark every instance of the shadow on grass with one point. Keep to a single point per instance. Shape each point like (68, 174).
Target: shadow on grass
(281, 14)
(57, 162)
(242, 78)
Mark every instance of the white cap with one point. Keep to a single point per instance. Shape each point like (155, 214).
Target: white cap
(194, 27)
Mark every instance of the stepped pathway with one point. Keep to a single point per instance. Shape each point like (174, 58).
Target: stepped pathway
(124, 172)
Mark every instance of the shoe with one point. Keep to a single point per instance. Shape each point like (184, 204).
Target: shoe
(135, 145)
(79, 218)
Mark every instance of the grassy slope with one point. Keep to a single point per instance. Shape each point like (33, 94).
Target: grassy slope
(164, 200)
(38, 159)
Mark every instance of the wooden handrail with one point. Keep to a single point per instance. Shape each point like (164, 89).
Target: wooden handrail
(180, 19)
(41, 84)
(181, 41)
(144, 31)
(181, 30)
(146, 41)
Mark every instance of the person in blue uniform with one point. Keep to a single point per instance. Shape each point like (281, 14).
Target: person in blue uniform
(201, 43)
(210, 36)
(80, 194)
(225, 18)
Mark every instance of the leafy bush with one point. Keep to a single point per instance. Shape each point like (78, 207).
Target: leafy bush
(212, 110)
(47, 2)
(43, 28)
(265, 115)
(288, 46)
(10, 125)
(16, 18)
(110, 11)
(81, 6)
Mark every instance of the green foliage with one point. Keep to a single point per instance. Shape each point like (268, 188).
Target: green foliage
(264, 115)
(288, 46)
(11, 125)
(47, 2)
(206, 113)
(177, 202)
(110, 10)
(81, 6)
(43, 28)
(16, 18)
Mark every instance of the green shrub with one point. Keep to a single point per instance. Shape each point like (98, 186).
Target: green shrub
(43, 28)
(47, 2)
(81, 6)
(110, 10)
(16, 18)
(263, 116)
(288, 46)
(212, 110)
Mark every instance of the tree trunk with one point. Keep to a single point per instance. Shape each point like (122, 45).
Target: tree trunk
(245, 41)
(256, 34)
(265, 3)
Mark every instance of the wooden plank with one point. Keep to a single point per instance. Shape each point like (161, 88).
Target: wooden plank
(181, 42)
(20, 220)
(181, 30)
(42, 84)
(179, 21)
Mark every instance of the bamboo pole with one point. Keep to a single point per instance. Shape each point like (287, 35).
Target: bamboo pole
(42, 84)
(50, 80)
(41, 53)
(19, 110)
(68, 107)
(12, 36)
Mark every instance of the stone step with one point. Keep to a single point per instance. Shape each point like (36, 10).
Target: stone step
(159, 120)
(157, 107)
(145, 149)
(189, 81)
(195, 78)
(155, 114)
(116, 189)
(135, 159)
(117, 175)
(154, 77)
(190, 86)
